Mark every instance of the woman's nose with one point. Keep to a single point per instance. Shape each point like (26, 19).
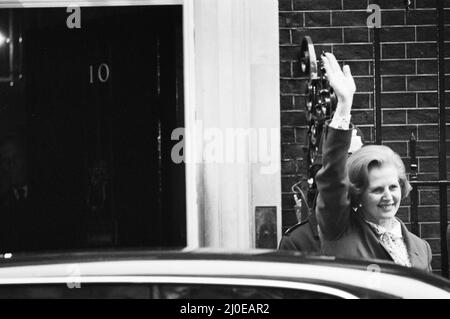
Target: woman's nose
(387, 195)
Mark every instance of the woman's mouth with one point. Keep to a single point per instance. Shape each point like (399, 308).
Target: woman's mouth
(387, 207)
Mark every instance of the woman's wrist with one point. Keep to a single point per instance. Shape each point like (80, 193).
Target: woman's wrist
(344, 108)
(342, 116)
(341, 122)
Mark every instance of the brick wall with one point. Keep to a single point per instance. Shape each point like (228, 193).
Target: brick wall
(408, 87)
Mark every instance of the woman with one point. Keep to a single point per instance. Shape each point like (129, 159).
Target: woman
(360, 196)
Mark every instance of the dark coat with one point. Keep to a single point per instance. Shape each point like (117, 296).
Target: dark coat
(303, 237)
(343, 231)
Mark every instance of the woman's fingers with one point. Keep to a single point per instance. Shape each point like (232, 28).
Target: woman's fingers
(333, 62)
(348, 75)
(340, 78)
(332, 67)
(326, 64)
(347, 71)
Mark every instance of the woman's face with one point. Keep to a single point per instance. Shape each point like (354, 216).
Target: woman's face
(382, 197)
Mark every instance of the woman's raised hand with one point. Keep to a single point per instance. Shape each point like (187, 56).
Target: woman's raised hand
(341, 81)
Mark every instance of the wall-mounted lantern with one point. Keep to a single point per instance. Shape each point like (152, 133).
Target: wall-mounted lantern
(6, 46)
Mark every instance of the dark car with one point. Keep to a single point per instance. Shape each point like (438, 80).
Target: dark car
(205, 273)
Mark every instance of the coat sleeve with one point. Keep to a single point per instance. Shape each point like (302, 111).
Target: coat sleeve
(333, 201)
(287, 243)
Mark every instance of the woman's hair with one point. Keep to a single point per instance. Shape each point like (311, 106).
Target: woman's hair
(362, 161)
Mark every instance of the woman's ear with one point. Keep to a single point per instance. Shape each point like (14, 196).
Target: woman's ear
(405, 187)
(355, 201)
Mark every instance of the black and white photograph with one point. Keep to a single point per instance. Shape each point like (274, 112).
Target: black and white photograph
(250, 151)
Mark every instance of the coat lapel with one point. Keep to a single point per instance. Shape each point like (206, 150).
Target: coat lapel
(411, 246)
(374, 237)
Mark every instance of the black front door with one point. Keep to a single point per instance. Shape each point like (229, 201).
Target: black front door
(101, 102)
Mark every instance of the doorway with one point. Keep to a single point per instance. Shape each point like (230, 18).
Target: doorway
(101, 102)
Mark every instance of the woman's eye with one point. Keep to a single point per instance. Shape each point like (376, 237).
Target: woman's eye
(394, 187)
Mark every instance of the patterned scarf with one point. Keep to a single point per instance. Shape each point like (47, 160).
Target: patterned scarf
(393, 242)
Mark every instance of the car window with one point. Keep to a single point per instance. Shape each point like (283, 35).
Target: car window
(76, 291)
(235, 292)
(153, 291)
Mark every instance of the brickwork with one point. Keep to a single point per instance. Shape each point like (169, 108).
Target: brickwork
(408, 87)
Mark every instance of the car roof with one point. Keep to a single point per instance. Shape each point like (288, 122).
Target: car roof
(268, 255)
(257, 263)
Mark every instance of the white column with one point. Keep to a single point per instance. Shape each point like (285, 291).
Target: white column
(236, 87)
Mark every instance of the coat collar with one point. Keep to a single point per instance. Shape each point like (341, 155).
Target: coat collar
(411, 244)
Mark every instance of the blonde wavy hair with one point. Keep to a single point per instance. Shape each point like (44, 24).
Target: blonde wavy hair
(362, 161)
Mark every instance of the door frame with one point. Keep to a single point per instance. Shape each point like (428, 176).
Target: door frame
(191, 175)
